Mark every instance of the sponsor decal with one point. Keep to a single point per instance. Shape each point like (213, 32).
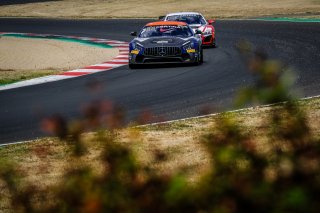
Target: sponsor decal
(191, 50)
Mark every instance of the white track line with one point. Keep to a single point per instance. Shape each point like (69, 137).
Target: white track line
(184, 119)
(218, 113)
(41, 80)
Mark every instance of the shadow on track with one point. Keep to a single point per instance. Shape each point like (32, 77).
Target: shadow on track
(160, 66)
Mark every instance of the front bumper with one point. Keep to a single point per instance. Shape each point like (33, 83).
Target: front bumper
(141, 59)
(207, 39)
(182, 57)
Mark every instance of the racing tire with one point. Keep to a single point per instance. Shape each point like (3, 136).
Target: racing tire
(201, 56)
(200, 61)
(133, 66)
(213, 45)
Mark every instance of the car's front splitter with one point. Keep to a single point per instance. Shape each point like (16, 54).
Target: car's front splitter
(140, 59)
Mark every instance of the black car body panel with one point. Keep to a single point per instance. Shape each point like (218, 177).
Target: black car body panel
(165, 49)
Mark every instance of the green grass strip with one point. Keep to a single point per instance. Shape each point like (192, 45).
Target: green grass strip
(28, 76)
(60, 38)
(290, 19)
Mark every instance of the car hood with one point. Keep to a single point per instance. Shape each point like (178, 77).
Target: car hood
(162, 41)
(195, 26)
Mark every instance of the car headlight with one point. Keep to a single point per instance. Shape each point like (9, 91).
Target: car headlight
(136, 48)
(208, 31)
(189, 47)
(139, 46)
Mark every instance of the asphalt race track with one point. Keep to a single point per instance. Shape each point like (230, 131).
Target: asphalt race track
(169, 92)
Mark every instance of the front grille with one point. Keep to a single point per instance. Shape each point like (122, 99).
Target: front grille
(162, 51)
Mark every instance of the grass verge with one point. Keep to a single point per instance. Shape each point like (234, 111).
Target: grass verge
(12, 76)
(45, 160)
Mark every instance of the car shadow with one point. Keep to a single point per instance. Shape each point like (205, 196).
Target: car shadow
(159, 66)
(12, 2)
(209, 47)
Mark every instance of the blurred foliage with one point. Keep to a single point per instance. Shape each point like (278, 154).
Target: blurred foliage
(286, 178)
(273, 79)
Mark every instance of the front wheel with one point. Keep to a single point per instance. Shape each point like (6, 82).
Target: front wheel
(133, 66)
(201, 56)
(213, 45)
(200, 59)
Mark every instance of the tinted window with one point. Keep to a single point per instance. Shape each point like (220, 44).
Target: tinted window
(189, 19)
(165, 30)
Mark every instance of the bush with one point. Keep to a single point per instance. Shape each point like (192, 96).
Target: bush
(285, 178)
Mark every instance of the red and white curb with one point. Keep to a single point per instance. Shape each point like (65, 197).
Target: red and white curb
(118, 61)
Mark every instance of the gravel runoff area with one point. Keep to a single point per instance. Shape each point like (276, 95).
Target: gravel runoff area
(24, 58)
(152, 9)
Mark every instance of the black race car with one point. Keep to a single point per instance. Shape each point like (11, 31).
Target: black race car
(166, 42)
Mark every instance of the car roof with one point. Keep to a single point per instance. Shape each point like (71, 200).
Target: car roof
(160, 23)
(183, 13)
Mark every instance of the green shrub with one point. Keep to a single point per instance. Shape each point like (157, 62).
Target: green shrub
(286, 178)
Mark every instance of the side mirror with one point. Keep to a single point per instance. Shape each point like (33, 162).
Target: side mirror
(211, 21)
(161, 18)
(198, 32)
(133, 33)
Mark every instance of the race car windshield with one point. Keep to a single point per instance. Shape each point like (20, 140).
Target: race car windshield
(166, 30)
(189, 19)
